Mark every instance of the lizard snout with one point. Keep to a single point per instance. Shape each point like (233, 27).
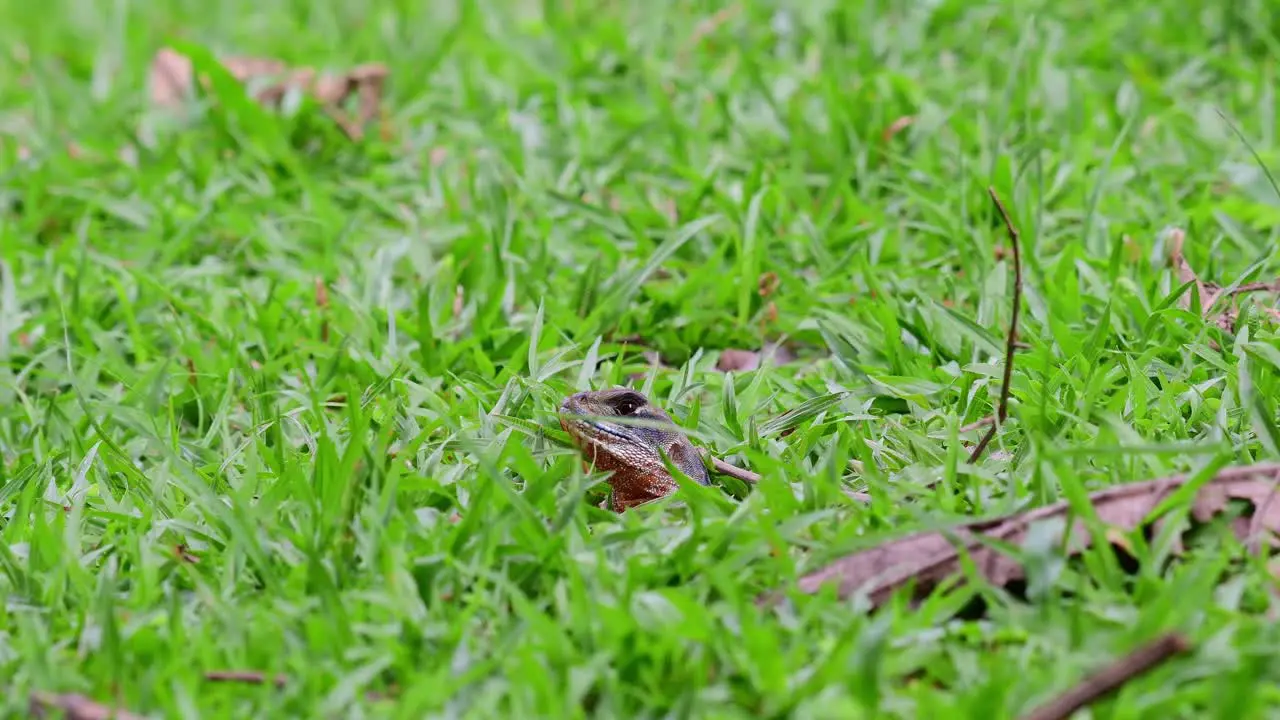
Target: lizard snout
(573, 403)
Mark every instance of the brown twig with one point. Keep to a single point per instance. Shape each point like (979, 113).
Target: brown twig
(988, 420)
(746, 476)
(733, 471)
(1011, 342)
(249, 677)
(1111, 678)
(255, 677)
(1273, 286)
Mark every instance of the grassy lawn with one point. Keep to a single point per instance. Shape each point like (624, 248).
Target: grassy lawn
(275, 400)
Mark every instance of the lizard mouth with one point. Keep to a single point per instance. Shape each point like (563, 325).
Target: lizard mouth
(576, 416)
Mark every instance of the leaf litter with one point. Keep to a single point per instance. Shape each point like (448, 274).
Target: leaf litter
(736, 360)
(1210, 293)
(927, 559)
(269, 81)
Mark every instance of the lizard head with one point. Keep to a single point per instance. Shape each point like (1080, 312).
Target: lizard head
(619, 430)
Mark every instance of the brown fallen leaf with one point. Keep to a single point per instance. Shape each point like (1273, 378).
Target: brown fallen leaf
(733, 360)
(929, 558)
(767, 284)
(73, 706)
(896, 127)
(459, 301)
(1209, 292)
(171, 79)
(770, 315)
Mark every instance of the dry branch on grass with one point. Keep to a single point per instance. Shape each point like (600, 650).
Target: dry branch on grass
(172, 79)
(1011, 340)
(248, 677)
(723, 468)
(255, 677)
(73, 706)
(929, 558)
(1111, 678)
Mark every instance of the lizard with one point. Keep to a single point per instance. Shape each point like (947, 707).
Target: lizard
(631, 452)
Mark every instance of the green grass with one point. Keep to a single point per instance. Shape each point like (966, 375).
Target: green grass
(362, 483)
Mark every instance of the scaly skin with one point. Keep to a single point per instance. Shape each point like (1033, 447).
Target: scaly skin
(629, 451)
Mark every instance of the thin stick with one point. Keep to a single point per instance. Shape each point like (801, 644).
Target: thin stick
(251, 677)
(254, 677)
(746, 476)
(1011, 342)
(1273, 286)
(734, 471)
(1111, 678)
(988, 420)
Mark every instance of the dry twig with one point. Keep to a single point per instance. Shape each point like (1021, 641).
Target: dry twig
(255, 677)
(1111, 678)
(746, 476)
(249, 677)
(978, 424)
(1011, 342)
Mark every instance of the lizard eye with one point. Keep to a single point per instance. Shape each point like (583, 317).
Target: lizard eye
(628, 404)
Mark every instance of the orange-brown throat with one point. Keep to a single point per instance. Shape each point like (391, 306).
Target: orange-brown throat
(631, 452)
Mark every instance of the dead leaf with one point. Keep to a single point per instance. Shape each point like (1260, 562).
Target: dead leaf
(737, 360)
(767, 284)
(1208, 293)
(184, 554)
(1211, 292)
(733, 360)
(929, 558)
(74, 706)
(171, 79)
(459, 301)
(770, 315)
(896, 127)
(322, 293)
